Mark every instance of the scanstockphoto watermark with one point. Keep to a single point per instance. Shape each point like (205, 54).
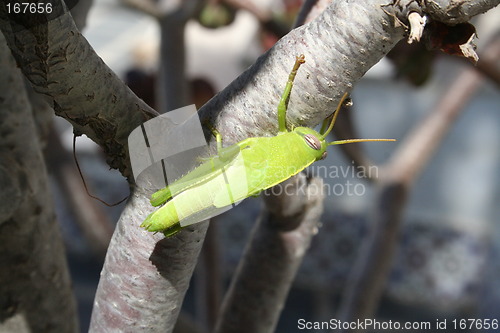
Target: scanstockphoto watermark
(345, 171)
(345, 182)
(348, 188)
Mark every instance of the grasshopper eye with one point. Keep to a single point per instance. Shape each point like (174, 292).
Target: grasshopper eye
(312, 141)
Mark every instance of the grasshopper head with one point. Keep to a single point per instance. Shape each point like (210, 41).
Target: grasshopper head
(313, 140)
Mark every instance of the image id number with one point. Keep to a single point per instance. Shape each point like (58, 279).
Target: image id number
(29, 8)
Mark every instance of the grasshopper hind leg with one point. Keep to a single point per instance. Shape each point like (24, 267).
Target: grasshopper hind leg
(172, 230)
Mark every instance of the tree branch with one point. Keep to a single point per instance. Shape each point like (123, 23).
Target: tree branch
(456, 11)
(60, 64)
(145, 275)
(248, 108)
(278, 244)
(34, 279)
(344, 128)
(334, 62)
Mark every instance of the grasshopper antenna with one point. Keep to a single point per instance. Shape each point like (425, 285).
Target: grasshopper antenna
(332, 123)
(334, 119)
(341, 142)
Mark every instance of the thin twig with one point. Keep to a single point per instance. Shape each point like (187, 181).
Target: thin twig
(85, 183)
(91, 219)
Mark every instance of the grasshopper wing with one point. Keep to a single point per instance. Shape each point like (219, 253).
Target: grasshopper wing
(259, 167)
(206, 171)
(245, 176)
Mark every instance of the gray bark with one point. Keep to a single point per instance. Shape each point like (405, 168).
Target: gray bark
(60, 64)
(35, 289)
(457, 11)
(145, 275)
(339, 47)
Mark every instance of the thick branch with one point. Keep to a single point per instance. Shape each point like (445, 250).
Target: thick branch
(339, 47)
(457, 11)
(145, 275)
(172, 89)
(60, 63)
(35, 289)
(344, 128)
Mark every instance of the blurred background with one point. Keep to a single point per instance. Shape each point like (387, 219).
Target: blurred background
(447, 261)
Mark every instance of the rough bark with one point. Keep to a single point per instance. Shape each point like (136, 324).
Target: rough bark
(35, 290)
(145, 275)
(456, 11)
(339, 47)
(60, 64)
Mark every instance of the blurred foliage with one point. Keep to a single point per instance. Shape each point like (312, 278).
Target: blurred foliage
(218, 14)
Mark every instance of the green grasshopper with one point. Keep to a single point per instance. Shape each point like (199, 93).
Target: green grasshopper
(243, 169)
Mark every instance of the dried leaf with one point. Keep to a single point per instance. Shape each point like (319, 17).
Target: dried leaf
(455, 40)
